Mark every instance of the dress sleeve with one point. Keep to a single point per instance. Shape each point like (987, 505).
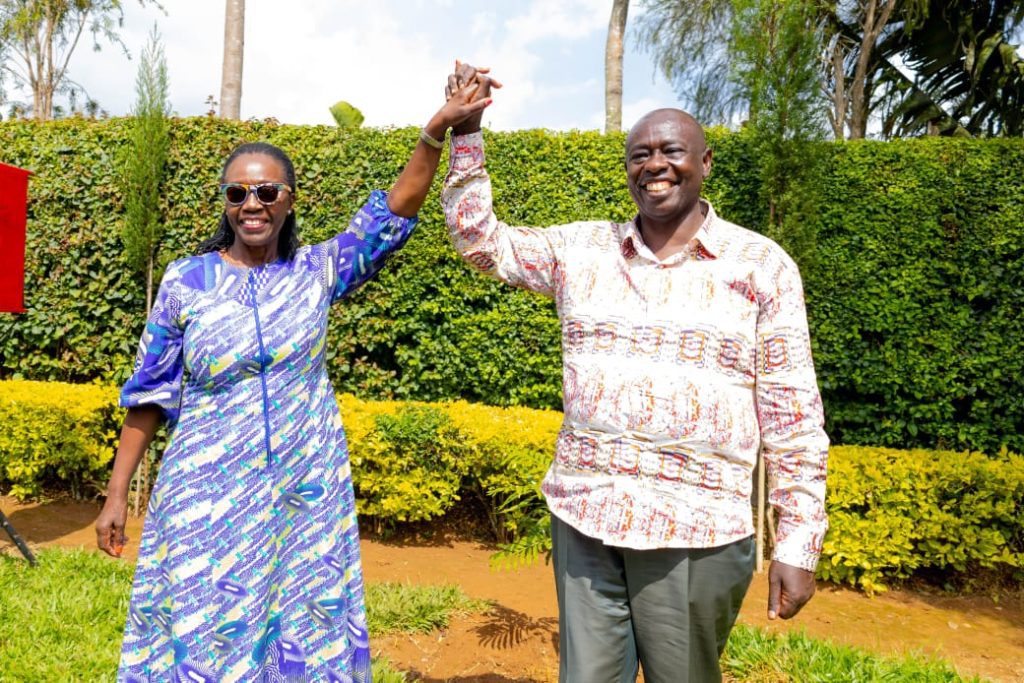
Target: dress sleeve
(356, 255)
(156, 378)
(793, 440)
(522, 257)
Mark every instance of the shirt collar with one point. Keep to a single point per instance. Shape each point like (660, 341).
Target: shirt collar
(706, 237)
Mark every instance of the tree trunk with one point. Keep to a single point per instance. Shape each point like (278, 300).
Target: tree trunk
(837, 117)
(875, 19)
(613, 66)
(234, 48)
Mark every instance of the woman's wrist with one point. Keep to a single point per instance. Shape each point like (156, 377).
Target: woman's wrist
(436, 128)
(117, 493)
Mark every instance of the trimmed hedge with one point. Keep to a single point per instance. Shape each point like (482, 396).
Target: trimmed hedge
(56, 434)
(944, 516)
(941, 516)
(914, 292)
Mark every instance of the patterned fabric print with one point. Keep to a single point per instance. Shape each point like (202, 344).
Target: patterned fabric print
(677, 373)
(249, 563)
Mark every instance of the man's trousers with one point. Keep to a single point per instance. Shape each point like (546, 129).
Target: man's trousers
(670, 609)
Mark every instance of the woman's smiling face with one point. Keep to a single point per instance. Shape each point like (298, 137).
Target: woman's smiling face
(256, 225)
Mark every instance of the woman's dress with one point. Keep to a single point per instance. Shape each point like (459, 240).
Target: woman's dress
(249, 563)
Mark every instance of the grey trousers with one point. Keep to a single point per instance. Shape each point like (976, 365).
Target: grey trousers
(670, 609)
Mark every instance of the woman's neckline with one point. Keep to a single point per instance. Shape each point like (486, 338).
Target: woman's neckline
(239, 266)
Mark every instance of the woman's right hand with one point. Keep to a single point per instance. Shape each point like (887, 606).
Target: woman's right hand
(472, 84)
(110, 536)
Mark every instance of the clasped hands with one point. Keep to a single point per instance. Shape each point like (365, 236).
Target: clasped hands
(467, 94)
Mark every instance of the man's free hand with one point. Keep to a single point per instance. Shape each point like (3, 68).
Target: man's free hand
(789, 589)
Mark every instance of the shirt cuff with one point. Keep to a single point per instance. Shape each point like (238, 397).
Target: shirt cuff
(467, 151)
(800, 548)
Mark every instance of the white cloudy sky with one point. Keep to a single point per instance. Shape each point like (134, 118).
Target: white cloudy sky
(389, 58)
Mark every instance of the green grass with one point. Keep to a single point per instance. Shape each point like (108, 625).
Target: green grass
(754, 656)
(392, 607)
(63, 621)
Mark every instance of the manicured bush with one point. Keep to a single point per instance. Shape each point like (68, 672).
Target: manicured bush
(941, 515)
(914, 292)
(415, 462)
(55, 434)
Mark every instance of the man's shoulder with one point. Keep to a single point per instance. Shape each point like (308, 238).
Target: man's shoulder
(735, 241)
(590, 232)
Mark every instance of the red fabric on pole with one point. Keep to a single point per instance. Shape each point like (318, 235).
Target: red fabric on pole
(13, 205)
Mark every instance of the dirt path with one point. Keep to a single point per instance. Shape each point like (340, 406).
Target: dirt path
(516, 642)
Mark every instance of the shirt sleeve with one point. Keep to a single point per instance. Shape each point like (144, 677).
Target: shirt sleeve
(356, 255)
(157, 375)
(793, 440)
(522, 257)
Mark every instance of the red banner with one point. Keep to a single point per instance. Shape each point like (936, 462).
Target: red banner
(13, 204)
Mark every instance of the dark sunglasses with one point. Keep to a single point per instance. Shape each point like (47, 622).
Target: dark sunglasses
(235, 194)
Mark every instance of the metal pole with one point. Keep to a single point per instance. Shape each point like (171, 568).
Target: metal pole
(759, 542)
(17, 540)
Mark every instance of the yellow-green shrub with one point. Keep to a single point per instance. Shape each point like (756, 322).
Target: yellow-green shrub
(414, 461)
(55, 434)
(894, 514)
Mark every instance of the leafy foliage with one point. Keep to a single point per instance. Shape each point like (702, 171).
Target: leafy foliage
(409, 608)
(55, 435)
(896, 514)
(913, 292)
(40, 36)
(411, 465)
(756, 655)
(346, 116)
(969, 78)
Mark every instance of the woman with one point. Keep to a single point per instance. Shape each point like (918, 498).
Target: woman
(249, 561)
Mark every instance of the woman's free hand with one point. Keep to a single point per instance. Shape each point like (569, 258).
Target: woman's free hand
(110, 524)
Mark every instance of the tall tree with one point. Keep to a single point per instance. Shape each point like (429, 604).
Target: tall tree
(613, 51)
(968, 76)
(234, 50)
(40, 36)
(689, 40)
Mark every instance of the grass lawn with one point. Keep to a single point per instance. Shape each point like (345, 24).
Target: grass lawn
(62, 621)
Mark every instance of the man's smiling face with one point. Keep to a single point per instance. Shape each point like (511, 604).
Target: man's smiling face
(667, 160)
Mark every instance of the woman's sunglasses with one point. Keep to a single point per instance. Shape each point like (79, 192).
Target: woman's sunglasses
(235, 194)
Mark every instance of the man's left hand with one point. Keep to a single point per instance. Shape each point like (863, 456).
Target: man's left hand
(789, 589)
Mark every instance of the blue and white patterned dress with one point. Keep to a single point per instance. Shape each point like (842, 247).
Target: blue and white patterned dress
(249, 563)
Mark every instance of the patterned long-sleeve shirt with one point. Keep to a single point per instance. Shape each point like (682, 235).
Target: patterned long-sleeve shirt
(677, 373)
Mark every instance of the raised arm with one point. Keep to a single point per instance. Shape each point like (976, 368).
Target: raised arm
(523, 257)
(406, 197)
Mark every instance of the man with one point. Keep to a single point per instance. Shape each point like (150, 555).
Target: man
(686, 354)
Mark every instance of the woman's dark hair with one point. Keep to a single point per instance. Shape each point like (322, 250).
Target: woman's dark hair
(288, 240)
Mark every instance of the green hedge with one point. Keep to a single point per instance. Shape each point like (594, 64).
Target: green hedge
(914, 293)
